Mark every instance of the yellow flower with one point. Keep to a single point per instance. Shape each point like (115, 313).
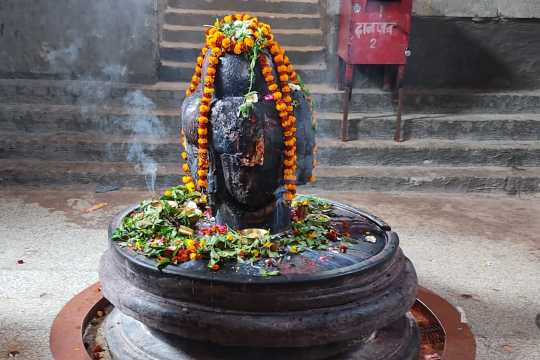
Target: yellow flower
(190, 186)
(230, 237)
(189, 242)
(168, 193)
(202, 243)
(227, 19)
(249, 42)
(186, 179)
(185, 167)
(267, 244)
(255, 252)
(193, 256)
(238, 49)
(293, 249)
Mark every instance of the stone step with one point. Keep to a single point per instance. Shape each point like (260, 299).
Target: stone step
(188, 51)
(286, 37)
(163, 147)
(369, 178)
(196, 17)
(249, 6)
(123, 120)
(429, 152)
(169, 95)
(183, 71)
(429, 179)
(478, 127)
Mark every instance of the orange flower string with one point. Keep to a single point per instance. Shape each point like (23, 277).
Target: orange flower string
(243, 34)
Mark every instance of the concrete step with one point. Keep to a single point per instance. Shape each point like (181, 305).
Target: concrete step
(286, 37)
(183, 71)
(88, 94)
(429, 179)
(368, 178)
(107, 120)
(249, 6)
(429, 153)
(163, 147)
(188, 51)
(169, 95)
(478, 127)
(125, 120)
(196, 17)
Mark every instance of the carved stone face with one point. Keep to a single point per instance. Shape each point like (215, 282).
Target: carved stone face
(246, 153)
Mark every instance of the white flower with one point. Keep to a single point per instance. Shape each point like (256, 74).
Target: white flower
(295, 86)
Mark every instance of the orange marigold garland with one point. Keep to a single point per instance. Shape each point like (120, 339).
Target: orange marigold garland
(243, 34)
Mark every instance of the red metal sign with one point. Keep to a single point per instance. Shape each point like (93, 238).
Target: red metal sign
(374, 31)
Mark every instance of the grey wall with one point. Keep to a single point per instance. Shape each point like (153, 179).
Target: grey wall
(479, 8)
(102, 39)
(461, 44)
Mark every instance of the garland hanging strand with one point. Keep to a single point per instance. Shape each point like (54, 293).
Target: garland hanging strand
(244, 34)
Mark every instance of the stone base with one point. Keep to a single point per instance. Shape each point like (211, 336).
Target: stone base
(129, 339)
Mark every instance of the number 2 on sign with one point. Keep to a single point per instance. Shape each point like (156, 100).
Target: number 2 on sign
(372, 43)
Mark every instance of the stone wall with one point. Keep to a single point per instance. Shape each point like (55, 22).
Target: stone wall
(481, 44)
(478, 8)
(101, 39)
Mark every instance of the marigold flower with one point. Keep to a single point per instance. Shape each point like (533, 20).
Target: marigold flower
(290, 186)
(248, 42)
(226, 43)
(213, 60)
(202, 131)
(202, 140)
(286, 89)
(284, 78)
(273, 87)
(282, 68)
(202, 120)
(204, 109)
(184, 155)
(168, 193)
(277, 95)
(216, 51)
(228, 19)
(208, 90)
(190, 186)
(202, 183)
(287, 99)
(230, 237)
(278, 59)
(281, 106)
(193, 256)
(185, 167)
(267, 70)
(186, 179)
(238, 49)
(274, 50)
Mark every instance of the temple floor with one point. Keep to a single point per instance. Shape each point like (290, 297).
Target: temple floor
(482, 253)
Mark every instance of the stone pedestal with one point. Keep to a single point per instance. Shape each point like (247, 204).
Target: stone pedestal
(324, 304)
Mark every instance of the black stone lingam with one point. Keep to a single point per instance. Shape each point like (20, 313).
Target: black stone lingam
(246, 153)
(324, 305)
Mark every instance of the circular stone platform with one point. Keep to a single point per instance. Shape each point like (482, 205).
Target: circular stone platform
(325, 304)
(442, 332)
